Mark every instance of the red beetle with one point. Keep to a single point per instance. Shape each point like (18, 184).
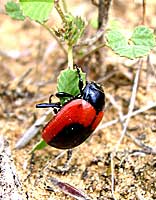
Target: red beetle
(76, 119)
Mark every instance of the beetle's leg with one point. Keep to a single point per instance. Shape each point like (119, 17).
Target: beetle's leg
(55, 106)
(69, 158)
(50, 101)
(48, 105)
(80, 79)
(63, 94)
(66, 166)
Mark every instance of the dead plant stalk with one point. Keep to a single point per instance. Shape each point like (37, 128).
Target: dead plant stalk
(125, 125)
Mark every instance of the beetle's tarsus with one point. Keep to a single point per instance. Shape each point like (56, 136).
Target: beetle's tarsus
(66, 166)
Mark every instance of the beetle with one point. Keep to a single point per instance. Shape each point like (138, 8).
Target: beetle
(75, 121)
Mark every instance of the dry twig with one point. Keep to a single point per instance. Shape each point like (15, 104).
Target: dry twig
(33, 130)
(149, 106)
(92, 40)
(104, 7)
(145, 148)
(119, 109)
(125, 125)
(143, 11)
(94, 2)
(103, 11)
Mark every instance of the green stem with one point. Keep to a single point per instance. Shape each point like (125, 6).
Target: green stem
(70, 57)
(64, 6)
(60, 12)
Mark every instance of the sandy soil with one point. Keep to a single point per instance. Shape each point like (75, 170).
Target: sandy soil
(90, 168)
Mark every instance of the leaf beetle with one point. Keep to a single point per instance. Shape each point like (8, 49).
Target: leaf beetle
(75, 121)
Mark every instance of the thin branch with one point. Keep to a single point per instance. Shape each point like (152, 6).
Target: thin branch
(107, 77)
(143, 11)
(146, 149)
(94, 2)
(118, 108)
(103, 11)
(33, 130)
(104, 7)
(139, 111)
(53, 34)
(125, 125)
(92, 51)
(64, 6)
(131, 106)
(92, 40)
(21, 79)
(59, 10)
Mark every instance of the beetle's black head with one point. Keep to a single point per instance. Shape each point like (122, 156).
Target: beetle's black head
(94, 94)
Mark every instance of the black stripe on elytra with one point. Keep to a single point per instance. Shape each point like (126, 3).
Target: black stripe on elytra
(71, 136)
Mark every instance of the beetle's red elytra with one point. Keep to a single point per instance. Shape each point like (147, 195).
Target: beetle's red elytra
(77, 119)
(77, 113)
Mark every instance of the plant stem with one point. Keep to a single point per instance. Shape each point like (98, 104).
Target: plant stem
(143, 11)
(60, 12)
(92, 51)
(94, 2)
(70, 47)
(103, 13)
(53, 34)
(64, 6)
(70, 57)
(125, 125)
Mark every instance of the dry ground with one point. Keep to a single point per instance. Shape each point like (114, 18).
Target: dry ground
(135, 172)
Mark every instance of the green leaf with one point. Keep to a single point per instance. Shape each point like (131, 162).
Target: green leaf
(68, 82)
(142, 41)
(116, 39)
(13, 10)
(39, 146)
(37, 10)
(132, 51)
(143, 36)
